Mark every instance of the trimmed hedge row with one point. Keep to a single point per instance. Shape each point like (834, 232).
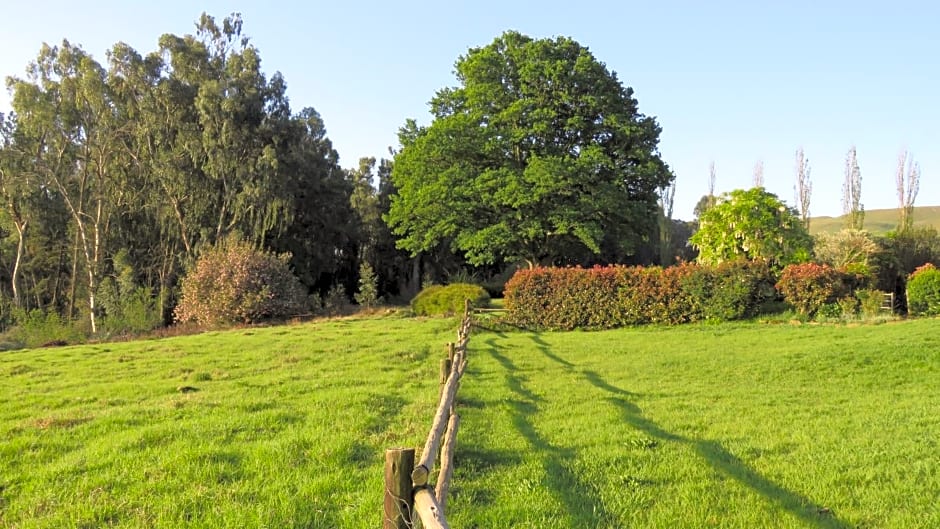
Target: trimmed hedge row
(616, 296)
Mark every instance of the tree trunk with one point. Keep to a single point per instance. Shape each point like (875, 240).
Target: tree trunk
(73, 287)
(20, 247)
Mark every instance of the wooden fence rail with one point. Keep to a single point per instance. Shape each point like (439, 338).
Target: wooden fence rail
(408, 495)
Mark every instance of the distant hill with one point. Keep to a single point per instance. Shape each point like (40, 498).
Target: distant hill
(878, 220)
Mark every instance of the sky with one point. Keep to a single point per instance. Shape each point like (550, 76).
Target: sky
(729, 82)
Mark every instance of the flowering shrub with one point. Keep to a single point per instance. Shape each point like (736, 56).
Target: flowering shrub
(606, 297)
(810, 286)
(234, 282)
(923, 291)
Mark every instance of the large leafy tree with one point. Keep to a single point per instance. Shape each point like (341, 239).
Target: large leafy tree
(752, 224)
(538, 153)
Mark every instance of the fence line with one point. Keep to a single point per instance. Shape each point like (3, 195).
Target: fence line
(407, 491)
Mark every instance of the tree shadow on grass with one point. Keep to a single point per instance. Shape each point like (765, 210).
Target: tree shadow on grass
(723, 461)
(546, 350)
(584, 508)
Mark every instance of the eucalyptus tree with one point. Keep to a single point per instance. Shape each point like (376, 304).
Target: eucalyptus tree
(15, 191)
(65, 107)
(321, 236)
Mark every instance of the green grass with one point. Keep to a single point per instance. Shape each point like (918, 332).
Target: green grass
(878, 221)
(737, 425)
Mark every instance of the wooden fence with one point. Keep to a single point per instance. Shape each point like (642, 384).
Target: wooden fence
(408, 494)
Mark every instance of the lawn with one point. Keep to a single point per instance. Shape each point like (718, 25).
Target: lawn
(735, 425)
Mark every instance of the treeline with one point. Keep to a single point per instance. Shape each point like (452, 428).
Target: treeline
(115, 176)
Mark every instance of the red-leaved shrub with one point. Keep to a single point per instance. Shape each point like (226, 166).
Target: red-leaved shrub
(809, 286)
(235, 283)
(616, 296)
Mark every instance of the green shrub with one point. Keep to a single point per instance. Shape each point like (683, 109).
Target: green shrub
(368, 295)
(849, 306)
(829, 311)
(438, 300)
(733, 290)
(234, 282)
(128, 308)
(869, 301)
(809, 286)
(36, 328)
(336, 302)
(923, 291)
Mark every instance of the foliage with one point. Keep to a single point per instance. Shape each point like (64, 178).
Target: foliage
(368, 295)
(607, 297)
(234, 283)
(810, 286)
(336, 301)
(441, 300)
(36, 328)
(902, 253)
(733, 290)
(179, 147)
(540, 153)
(129, 308)
(923, 291)
(869, 301)
(847, 249)
(752, 224)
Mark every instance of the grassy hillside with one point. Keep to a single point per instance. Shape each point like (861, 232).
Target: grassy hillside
(878, 220)
(698, 426)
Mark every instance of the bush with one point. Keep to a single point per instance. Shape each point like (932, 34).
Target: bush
(606, 297)
(733, 290)
(234, 282)
(810, 286)
(128, 307)
(438, 300)
(336, 302)
(368, 295)
(36, 328)
(869, 301)
(923, 291)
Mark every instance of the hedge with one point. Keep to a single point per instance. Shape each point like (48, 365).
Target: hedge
(616, 296)
(810, 286)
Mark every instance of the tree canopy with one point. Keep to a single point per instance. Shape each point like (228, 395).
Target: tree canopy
(540, 152)
(752, 224)
(156, 157)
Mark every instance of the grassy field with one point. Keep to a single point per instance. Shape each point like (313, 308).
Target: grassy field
(878, 221)
(737, 425)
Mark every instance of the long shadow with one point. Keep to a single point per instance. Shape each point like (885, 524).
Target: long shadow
(584, 507)
(723, 461)
(546, 350)
(513, 380)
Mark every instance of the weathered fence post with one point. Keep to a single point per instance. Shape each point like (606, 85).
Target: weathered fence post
(399, 501)
(445, 372)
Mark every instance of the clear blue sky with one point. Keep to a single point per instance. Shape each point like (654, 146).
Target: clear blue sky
(733, 82)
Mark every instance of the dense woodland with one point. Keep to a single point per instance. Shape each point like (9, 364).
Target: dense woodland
(116, 177)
